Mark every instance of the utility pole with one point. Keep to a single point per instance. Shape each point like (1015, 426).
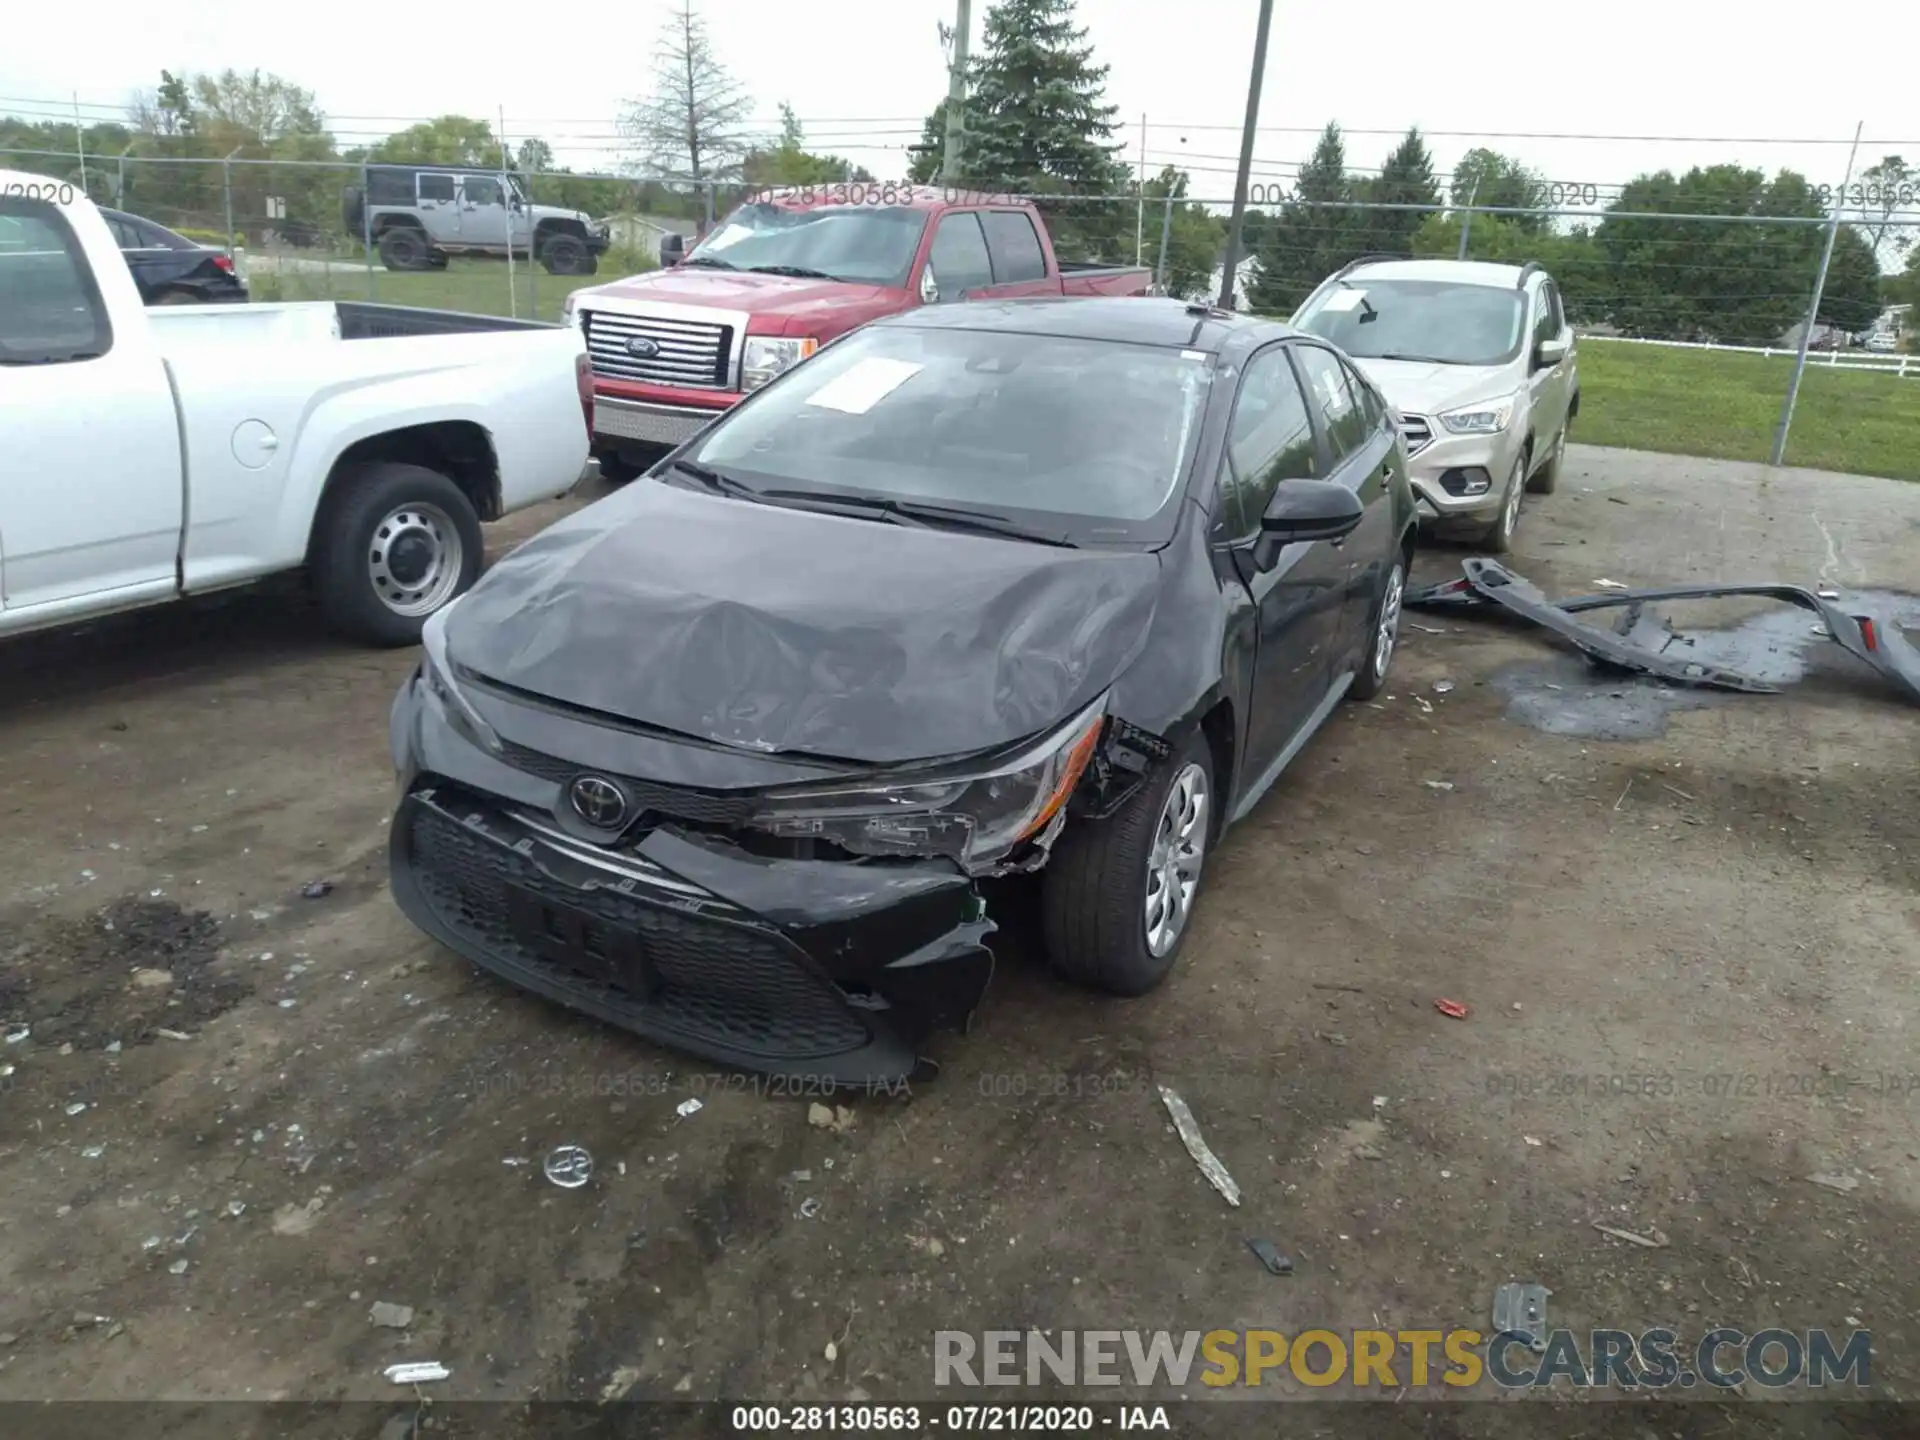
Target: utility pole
(1466, 216)
(80, 142)
(1140, 213)
(1813, 312)
(957, 95)
(1232, 259)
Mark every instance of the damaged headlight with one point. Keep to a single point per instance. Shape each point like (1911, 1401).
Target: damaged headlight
(437, 673)
(974, 817)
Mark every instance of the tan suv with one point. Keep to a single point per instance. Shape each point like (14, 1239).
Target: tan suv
(1480, 362)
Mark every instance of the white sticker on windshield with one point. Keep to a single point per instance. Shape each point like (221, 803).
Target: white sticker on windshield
(1344, 300)
(864, 386)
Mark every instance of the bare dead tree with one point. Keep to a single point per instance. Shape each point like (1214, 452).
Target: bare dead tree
(692, 125)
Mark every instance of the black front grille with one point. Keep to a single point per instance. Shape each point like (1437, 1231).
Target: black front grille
(728, 984)
(676, 802)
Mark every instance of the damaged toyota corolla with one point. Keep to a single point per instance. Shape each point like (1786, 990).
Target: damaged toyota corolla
(725, 757)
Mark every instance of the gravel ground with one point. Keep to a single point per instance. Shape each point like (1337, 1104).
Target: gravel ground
(1687, 956)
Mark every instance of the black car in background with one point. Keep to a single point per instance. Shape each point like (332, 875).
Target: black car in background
(170, 269)
(1046, 588)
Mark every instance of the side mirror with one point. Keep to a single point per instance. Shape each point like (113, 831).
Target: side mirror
(929, 287)
(1311, 510)
(673, 248)
(1549, 353)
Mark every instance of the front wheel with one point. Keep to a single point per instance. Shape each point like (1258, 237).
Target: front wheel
(403, 248)
(393, 544)
(567, 255)
(1547, 479)
(1499, 536)
(1117, 897)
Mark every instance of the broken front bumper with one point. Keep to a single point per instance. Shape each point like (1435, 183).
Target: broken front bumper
(826, 970)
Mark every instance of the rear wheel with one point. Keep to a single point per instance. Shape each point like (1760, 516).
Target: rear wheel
(404, 248)
(1384, 633)
(394, 544)
(1118, 894)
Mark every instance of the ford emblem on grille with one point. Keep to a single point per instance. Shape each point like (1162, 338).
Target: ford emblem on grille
(599, 802)
(641, 348)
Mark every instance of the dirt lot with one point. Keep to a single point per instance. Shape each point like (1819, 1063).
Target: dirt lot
(295, 1105)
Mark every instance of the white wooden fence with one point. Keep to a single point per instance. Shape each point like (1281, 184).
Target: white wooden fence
(1899, 366)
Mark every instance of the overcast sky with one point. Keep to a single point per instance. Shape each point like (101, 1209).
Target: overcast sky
(854, 69)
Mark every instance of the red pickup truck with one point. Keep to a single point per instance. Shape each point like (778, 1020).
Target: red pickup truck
(784, 274)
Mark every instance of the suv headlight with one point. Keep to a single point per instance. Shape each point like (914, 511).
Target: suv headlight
(767, 357)
(438, 674)
(1487, 418)
(975, 817)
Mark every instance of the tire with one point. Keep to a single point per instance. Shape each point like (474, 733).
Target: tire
(618, 470)
(178, 297)
(1547, 479)
(1498, 539)
(437, 261)
(404, 248)
(370, 590)
(1383, 630)
(567, 255)
(1096, 892)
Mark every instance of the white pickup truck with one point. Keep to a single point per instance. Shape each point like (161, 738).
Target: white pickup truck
(147, 455)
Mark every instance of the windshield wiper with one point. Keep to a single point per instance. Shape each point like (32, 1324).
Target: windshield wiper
(800, 272)
(715, 481)
(710, 260)
(1413, 359)
(921, 512)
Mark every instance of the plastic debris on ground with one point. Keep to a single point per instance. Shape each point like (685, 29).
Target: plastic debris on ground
(415, 1372)
(1270, 1256)
(689, 1106)
(1208, 1162)
(569, 1167)
(390, 1316)
(1521, 1310)
(317, 889)
(1451, 1007)
(1652, 1240)
(1842, 1183)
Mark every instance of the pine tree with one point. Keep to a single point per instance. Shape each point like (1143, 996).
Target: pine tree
(1406, 179)
(1298, 248)
(1037, 121)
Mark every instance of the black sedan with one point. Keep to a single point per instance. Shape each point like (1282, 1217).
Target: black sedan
(170, 269)
(980, 590)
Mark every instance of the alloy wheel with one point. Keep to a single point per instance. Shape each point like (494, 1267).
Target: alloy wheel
(1173, 865)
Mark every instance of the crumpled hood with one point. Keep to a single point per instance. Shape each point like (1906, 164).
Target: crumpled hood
(1419, 387)
(780, 630)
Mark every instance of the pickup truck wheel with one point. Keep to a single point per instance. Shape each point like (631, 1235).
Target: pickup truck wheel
(566, 255)
(396, 543)
(1117, 895)
(404, 248)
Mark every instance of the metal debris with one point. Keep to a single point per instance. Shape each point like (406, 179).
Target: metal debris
(810, 1207)
(689, 1106)
(1842, 1183)
(569, 1167)
(1652, 1240)
(1208, 1162)
(1443, 687)
(390, 1316)
(1438, 784)
(415, 1372)
(1269, 1255)
(1521, 1310)
(316, 889)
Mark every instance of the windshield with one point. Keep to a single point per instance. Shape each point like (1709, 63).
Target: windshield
(1419, 320)
(872, 245)
(1092, 433)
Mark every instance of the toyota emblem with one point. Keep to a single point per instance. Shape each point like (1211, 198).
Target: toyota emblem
(598, 801)
(642, 348)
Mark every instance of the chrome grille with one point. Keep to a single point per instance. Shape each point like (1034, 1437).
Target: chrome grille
(693, 354)
(1417, 433)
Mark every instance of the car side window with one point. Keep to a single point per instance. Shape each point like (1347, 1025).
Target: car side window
(1334, 392)
(50, 307)
(1370, 401)
(1545, 327)
(1270, 438)
(959, 257)
(436, 187)
(123, 234)
(482, 190)
(1552, 293)
(1014, 246)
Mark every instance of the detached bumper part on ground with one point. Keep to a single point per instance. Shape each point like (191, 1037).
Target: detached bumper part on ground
(1651, 645)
